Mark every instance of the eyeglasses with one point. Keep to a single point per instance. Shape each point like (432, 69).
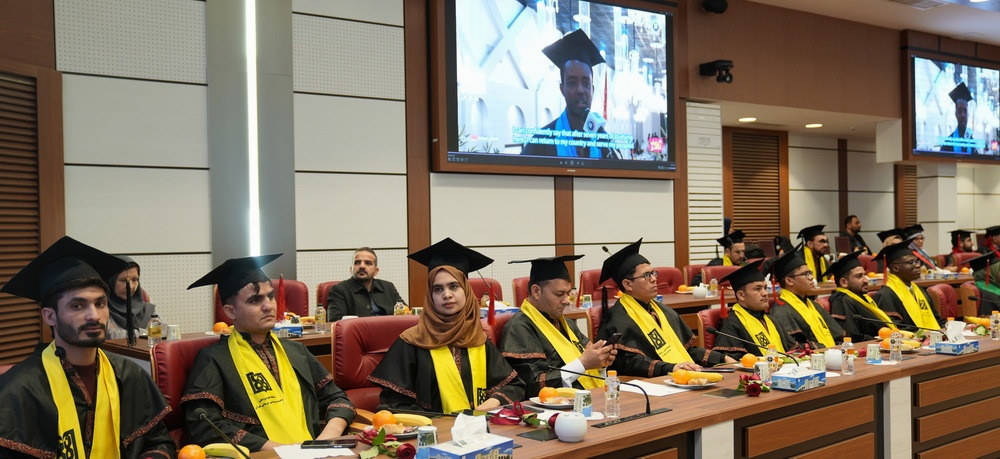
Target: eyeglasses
(806, 274)
(649, 276)
(823, 241)
(913, 262)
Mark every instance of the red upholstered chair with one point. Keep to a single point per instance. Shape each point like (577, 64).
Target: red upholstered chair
(842, 244)
(945, 300)
(970, 308)
(589, 284)
(767, 246)
(358, 347)
(296, 300)
(481, 286)
(824, 301)
(962, 259)
(871, 266)
(323, 291)
(690, 271)
(520, 290)
(594, 319)
(496, 331)
(667, 279)
(708, 318)
(170, 362)
(717, 272)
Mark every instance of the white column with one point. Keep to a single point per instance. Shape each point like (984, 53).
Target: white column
(936, 210)
(715, 441)
(897, 425)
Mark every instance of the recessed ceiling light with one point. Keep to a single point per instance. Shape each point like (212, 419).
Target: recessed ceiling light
(748, 119)
(814, 125)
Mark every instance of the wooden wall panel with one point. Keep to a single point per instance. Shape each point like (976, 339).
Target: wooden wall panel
(855, 446)
(27, 31)
(979, 445)
(955, 386)
(771, 436)
(956, 419)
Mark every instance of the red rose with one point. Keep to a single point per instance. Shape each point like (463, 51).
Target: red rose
(753, 390)
(406, 451)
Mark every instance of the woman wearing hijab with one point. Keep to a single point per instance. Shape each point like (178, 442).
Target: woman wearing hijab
(126, 302)
(446, 363)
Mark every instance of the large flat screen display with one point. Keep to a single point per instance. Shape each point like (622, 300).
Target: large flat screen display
(557, 87)
(956, 110)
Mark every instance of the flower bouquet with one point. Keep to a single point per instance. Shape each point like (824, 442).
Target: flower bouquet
(752, 385)
(385, 444)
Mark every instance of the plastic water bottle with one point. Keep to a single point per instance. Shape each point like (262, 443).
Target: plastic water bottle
(995, 326)
(611, 390)
(896, 346)
(847, 365)
(154, 330)
(713, 287)
(772, 358)
(320, 318)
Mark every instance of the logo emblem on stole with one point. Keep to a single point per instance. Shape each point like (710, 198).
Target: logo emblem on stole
(762, 339)
(480, 397)
(657, 339)
(258, 383)
(67, 445)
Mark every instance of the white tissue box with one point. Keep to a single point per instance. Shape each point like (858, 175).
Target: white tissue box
(288, 330)
(956, 347)
(798, 382)
(482, 445)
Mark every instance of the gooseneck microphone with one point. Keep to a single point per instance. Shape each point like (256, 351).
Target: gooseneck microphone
(713, 331)
(203, 415)
(987, 300)
(648, 412)
(861, 317)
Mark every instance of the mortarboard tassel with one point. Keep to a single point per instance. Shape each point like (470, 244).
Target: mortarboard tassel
(885, 268)
(722, 303)
(604, 303)
(281, 307)
(491, 313)
(129, 322)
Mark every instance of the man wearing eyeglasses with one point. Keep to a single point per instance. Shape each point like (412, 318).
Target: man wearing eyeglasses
(654, 339)
(902, 300)
(795, 312)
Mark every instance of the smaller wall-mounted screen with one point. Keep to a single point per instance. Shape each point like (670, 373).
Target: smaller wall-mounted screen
(956, 110)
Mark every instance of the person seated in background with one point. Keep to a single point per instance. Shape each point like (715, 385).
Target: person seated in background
(70, 399)
(815, 245)
(915, 234)
(902, 300)
(445, 363)
(128, 309)
(851, 298)
(852, 231)
(961, 242)
(654, 338)
(797, 314)
(262, 391)
(733, 253)
(888, 237)
(747, 319)
(362, 294)
(992, 240)
(986, 272)
(538, 340)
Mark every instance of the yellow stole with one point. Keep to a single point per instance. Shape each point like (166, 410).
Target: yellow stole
(815, 321)
(869, 303)
(757, 332)
(726, 261)
(916, 304)
(668, 346)
(811, 263)
(106, 413)
(569, 349)
(450, 385)
(279, 408)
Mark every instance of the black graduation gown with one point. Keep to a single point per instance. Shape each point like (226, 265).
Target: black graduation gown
(29, 419)
(843, 308)
(736, 349)
(528, 351)
(893, 307)
(785, 316)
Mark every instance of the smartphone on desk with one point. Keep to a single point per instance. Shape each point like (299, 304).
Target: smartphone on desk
(343, 442)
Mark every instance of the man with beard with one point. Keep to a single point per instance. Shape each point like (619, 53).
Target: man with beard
(70, 399)
(747, 319)
(992, 240)
(852, 231)
(362, 295)
(960, 141)
(815, 246)
(851, 298)
(902, 300)
(961, 242)
(795, 312)
(733, 253)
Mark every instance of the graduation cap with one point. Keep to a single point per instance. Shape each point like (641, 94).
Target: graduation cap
(961, 92)
(543, 269)
(894, 252)
(786, 263)
(735, 238)
(66, 260)
(745, 275)
(883, 235)
(448, 252)
(574, 46)
(911, 231)
(809, 232)
(957, 236)
(992, 231)
(982, 261)
(235, 273)
(844, 265)
(620, 263)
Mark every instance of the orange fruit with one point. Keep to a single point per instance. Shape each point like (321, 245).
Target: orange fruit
(191, 452)
(547, 393)
(681, 376)
(871, 275)
(682, 288)
(220, 328)
(885, 343)
(748, 360)
(884, 332)
(382, 418)
(966, 270)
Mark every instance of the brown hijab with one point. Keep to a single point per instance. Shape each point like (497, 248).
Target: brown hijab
(462, 329)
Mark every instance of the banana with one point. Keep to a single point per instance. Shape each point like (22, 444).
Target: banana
(711, 377)
(412, 420)
(224, 450)
(906, 333)
(566, 392)
(912, 343)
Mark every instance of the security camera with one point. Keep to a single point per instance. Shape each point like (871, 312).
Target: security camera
(720, 69)
(715, 6)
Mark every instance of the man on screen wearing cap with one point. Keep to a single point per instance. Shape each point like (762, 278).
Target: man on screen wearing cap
(747, 319)
(797, 314)
(733, 253)
(961, 242)
(654, 338)
(262, 391)
(902, 300)
(575, 55)
(538, 337)
(815, 246)
(69, 398)
(992, 243)
(851, 298)
(960, 141)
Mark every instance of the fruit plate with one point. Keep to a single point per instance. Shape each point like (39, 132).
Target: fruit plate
(740, 367)
(904, 351)
(689, 386)
(411, 432)
(554, 406)
(689, 291)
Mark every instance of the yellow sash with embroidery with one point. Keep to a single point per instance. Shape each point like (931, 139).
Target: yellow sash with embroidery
(568, 349)
(450, 385)
(869, 304)
(668, 346)
(726, 261)
(106, 413)
(916, 304)
(757, 332)
(815, 321)
(811, 263)
(279, 408)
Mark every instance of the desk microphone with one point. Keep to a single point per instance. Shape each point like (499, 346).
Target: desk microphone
(976, 298)
(619, 420)
(861, 317)
(203, 415)
(713, 331)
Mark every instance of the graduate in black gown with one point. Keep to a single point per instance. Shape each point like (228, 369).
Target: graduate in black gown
(902, 300)
(64, 400)
(747, 319)
(129, 311)
(795, 312)
(446, 363)
(851, 298)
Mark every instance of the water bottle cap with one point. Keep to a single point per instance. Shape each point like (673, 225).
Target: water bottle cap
(612, 373)
(848, 339)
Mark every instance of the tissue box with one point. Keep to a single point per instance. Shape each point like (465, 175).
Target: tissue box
(483, 445)
(798, 382)
(288, 330)
(956, 347)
